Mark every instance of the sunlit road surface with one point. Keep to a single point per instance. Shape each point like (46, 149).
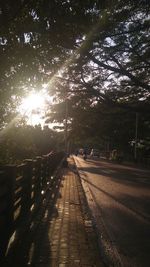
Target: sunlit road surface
(119, 197)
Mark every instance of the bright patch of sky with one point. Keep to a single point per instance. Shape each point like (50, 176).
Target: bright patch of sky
(34, 106)
(3, 41)
(109, 42)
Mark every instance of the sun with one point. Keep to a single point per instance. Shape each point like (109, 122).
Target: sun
(33, 106)
(32, 102)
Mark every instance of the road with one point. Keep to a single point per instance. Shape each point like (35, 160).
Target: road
(119, 199)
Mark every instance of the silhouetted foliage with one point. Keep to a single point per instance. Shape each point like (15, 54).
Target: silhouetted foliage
(20, 142)
(94, 53)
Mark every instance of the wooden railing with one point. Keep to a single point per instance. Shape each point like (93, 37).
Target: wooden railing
(22, 189)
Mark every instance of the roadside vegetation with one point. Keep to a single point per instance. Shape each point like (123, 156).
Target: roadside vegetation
(92, 57)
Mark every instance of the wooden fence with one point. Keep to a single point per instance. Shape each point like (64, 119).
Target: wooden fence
(22, 189)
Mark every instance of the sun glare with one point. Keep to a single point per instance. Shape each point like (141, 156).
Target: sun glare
(32, 102)
(33, 106)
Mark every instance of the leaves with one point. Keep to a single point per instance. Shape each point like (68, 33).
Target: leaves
(20, 142)
(95, 53)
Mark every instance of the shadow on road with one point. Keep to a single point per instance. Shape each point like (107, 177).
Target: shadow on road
(119, 173)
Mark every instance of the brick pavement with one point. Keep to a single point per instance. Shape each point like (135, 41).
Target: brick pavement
(65, 236)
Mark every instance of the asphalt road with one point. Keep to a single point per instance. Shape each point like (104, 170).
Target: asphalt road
(119, 198)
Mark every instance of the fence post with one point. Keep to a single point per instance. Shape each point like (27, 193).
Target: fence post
(38, 181)
(38, 174)
(43, 172)
(10, 175)
(28, 187)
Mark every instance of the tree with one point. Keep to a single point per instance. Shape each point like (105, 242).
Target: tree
(36, 39)
(114, 56)
(25, 141)
(98, 50)
(110, 67)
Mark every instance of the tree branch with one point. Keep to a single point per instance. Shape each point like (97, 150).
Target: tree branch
(121, 70)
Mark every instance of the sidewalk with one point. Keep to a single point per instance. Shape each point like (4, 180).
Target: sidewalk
(64, 235)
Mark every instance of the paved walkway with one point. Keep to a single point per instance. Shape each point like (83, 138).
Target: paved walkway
(64, 235)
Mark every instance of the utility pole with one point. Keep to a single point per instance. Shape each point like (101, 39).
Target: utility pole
(66, 121)
(136, 136)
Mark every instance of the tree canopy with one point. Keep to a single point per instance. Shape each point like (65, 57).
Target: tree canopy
(94, 53)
